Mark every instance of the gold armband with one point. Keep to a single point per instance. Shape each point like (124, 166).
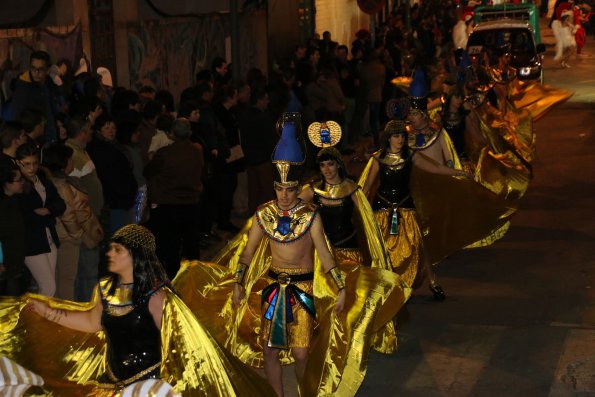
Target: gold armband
(241, 273)
(338, 276)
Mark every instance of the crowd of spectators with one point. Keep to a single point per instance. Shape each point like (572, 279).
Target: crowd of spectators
(80, 158)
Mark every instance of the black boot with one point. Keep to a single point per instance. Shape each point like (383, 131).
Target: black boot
(438, 292)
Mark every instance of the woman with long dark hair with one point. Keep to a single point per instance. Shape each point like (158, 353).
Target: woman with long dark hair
(334, 192)
(135, 328)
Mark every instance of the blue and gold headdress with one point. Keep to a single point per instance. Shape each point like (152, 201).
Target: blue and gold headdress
(418, 93)
(289, 155)
(326, 135)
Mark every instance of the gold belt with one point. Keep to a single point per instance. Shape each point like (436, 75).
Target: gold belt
(120, 384)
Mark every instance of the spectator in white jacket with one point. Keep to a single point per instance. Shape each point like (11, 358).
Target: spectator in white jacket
(460, 32)
(564, 30)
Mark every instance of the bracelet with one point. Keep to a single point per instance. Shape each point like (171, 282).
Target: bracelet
(338, 276)
(241, 273)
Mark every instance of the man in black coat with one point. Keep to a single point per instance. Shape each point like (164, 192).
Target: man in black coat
(258, 141)
(175, 188)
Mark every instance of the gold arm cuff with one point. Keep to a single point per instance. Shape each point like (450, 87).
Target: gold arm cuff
(338, 276)
(241, 273)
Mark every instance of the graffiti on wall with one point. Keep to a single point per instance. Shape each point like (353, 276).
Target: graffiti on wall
(167, 53)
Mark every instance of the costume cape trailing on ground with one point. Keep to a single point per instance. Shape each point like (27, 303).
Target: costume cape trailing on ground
(373, 252)
(454, 212)
(500, 138)
(340, 343)
(348, 220)
(71, 362)
(537, 98)
(340, 346)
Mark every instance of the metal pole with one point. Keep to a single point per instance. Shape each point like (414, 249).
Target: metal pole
(235, 39)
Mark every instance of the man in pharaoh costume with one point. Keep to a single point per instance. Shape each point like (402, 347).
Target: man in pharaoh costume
(346, 215)
(135, 328)
(281, 298)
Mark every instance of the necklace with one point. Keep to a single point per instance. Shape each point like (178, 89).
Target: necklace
(289, 210)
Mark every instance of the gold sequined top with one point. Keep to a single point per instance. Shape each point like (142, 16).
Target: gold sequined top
(285, 226)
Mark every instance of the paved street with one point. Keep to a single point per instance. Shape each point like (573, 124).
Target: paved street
(520, 316)
(519, 319)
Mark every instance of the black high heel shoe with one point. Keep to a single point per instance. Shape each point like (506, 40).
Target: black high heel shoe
(438, 292)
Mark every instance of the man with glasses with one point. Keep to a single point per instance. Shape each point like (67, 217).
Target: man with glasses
(34, 90)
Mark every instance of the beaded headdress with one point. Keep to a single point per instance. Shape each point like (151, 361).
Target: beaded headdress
(135, 236)
(395, 127)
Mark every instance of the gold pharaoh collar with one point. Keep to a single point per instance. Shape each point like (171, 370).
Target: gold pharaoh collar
(336, 192)
(285, 226)
(393, 160)
(419, 141)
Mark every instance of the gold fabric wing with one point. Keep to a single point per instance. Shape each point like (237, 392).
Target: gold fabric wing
(194, 363)
(341, 343)
(67, 360)
(456, 212)
(537, 98)
(70, 362)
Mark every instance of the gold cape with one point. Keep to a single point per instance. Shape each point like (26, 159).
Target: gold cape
(70, 362)
(501, 143)
(454, 212)
(341, 343)
(373, 253)
(537, 98)
(502, 146)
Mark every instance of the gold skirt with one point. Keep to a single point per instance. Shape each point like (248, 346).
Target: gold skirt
(299, 331)
(405, 248)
